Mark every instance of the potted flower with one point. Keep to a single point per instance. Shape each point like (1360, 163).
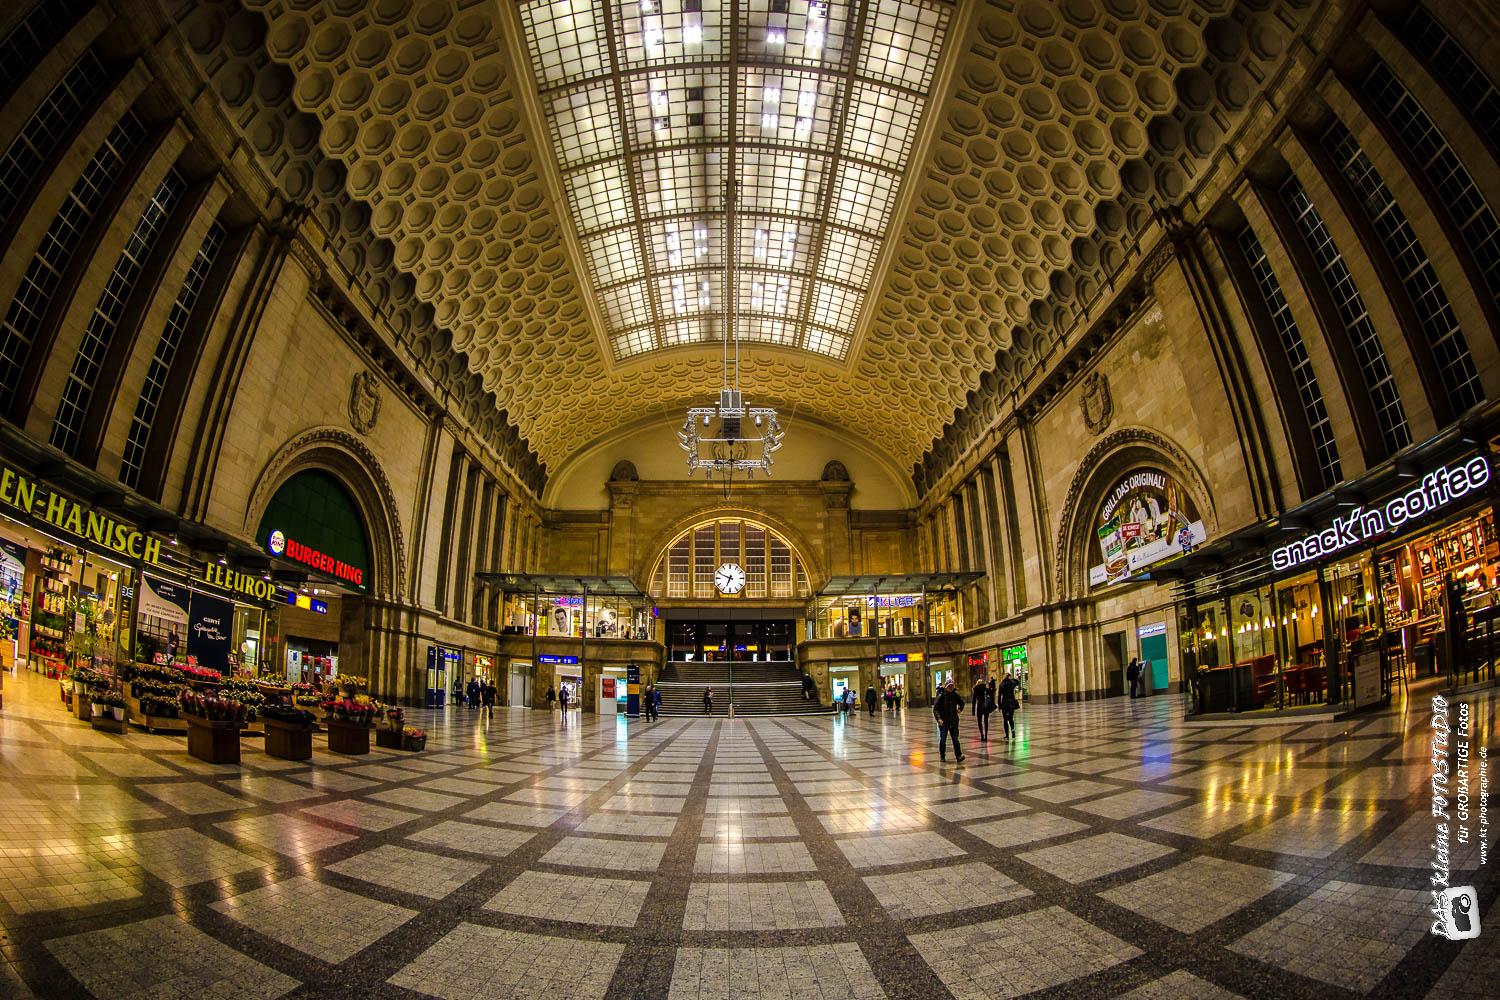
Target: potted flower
(115, 702)
(213, 727)
(413, 738)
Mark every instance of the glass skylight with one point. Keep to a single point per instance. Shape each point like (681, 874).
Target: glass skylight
(810, 106)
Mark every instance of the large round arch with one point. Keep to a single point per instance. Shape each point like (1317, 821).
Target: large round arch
(757, 542)
(350, 461)
(1110, 460)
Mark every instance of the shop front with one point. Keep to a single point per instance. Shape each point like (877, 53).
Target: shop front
(1391, 580)
(1013, 662)
(68, 577)
(571, 634)
(312, 526)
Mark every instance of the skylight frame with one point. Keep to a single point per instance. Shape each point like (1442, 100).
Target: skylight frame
(818, 138)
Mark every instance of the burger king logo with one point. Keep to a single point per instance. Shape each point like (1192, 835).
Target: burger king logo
(278, 543)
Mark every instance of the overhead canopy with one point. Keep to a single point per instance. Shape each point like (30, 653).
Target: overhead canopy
(549, 583)
(905, 583)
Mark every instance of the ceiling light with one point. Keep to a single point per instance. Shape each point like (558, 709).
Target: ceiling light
(659, 101)
(769, 119)
(692, 30)
(775, 36)
(804, 127)
(223, 561)
(652, 39)
(813, 39)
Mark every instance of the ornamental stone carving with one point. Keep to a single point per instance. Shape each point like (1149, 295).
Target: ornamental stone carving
(1096, 403)
(364, 402)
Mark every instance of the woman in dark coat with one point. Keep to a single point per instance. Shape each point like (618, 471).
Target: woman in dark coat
(1009, 703)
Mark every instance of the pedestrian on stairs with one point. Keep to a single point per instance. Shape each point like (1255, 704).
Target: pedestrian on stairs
(708, 701)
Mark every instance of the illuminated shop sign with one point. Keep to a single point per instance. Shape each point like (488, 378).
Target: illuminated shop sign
(1146, 631)
(251, 585)
(27, 496)
(1438, 489)
(306, 603)
(893, 601)
(562, 661)
(281, 545)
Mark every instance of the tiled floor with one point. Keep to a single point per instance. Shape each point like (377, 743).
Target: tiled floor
(1110, 851)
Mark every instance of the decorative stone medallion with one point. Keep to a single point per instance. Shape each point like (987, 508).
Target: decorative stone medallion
(1097, 405)
(364, 402)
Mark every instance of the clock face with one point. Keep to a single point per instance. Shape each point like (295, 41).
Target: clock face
(729, 578)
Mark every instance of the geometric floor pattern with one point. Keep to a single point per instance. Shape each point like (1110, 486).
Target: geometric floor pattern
(1110, 850)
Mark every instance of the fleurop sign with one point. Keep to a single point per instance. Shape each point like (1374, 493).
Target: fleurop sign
(281, 544)
(35, 500)
(1436, 490)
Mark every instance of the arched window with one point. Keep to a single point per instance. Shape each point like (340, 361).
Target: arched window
(772, 567)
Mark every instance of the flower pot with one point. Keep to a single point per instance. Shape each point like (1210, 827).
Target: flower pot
(117, 712)
(414, 742)
(97, 708)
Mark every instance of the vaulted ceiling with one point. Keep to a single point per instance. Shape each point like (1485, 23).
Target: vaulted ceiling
(541, 175)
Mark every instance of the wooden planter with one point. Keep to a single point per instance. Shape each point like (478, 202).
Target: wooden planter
(214, 742)
(161, 724)
(348, 737)
(388, 738)
(289, 740)
(107, 724)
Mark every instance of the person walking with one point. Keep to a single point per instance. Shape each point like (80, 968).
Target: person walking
(1133, 675)
(708, 701)
(655, 702)
(646, 702)
(896, 693)
(871, 700)
(472, 691)
(487, 700)
(978, 697)
(1009, 703)
(946, 707)
(551, 698)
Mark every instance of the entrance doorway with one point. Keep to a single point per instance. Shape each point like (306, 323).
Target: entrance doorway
(1114, 663)
(941, 674)
(574, 687)
(1154, 662)
(520, 684)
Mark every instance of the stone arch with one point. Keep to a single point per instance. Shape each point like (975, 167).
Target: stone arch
(1113, 456)
(811, 559)
(348, 459)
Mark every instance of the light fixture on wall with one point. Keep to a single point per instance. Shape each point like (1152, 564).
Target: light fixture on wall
(730, 437)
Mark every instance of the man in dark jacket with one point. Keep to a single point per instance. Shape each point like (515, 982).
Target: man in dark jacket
(947, 706)
(871, 699)
(487, 701)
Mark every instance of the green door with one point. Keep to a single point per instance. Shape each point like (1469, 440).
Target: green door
(1154, 660)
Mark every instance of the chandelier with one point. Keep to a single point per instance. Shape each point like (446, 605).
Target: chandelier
(730, 437)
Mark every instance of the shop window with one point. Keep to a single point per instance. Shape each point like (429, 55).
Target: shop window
(23, 320)
(1434, 311)
(118, 288)
(1379, 381)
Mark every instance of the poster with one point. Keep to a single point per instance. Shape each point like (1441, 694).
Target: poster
(1146, 517)
(1366, 679)
(166, 601)
(210, 624)
(561, 621)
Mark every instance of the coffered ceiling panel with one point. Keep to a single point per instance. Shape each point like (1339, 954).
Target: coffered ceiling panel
(1060, 127)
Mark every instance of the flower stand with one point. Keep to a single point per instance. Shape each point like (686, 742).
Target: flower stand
(388, 738)
(288, 740)
(347, 737)
(214, 742)
(106, 722)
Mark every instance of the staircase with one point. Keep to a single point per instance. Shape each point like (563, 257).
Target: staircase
(758, 689)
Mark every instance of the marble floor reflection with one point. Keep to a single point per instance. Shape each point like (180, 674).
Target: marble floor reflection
(1110, 850)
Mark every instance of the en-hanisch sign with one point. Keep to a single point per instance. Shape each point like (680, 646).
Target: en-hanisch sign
(565, 661)
(893, 658)
(24, 494)
(282, 545)
(1438, 489)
